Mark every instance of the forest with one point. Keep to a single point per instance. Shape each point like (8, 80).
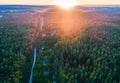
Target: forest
(15, 52)
(92, 58)
(72, 47)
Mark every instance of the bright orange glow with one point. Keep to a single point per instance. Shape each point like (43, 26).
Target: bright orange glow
(69, 23)
(66, 4)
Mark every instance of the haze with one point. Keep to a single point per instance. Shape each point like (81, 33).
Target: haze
(50, 2)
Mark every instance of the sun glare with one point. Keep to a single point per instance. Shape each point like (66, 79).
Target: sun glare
(66, 4)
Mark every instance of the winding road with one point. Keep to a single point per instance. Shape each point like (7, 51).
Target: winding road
(30, 81)
(40, 28)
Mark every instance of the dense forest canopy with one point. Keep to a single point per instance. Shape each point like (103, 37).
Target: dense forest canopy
(82, 46)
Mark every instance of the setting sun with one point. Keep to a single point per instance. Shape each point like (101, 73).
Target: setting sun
(66, 4)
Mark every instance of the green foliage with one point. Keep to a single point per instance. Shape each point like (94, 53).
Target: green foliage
(14, 53)
(92, 58)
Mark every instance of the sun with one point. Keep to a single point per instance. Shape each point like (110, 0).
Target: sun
(66, 4)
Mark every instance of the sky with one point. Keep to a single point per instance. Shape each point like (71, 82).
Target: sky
(47, 2)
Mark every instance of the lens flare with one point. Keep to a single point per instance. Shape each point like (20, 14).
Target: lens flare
(66, 4)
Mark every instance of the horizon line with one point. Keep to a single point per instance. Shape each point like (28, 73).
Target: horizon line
(56, 5)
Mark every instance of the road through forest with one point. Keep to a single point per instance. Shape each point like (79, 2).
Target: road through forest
(40, 28)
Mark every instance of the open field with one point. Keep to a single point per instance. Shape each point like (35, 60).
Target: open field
(81, 45)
